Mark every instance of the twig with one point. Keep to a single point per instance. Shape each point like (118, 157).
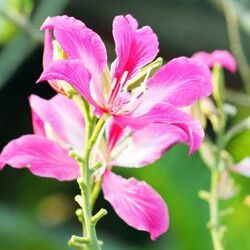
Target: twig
(237, 98)
(214, 222)
(235, 42)
(238, 128)
(21, 22)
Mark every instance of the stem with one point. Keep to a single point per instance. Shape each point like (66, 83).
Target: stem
(236, 129)
(89, 123)
(214, 215)
(237, 98)
(95, 193)
(23, 23)
(214, 224)
(89, 240)
(84, 182)
(213, 201)
(235, 42)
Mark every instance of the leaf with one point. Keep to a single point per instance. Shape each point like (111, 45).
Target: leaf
(13, 55)
(239, 146)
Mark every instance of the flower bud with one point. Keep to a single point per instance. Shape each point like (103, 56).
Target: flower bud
(139, 78)
(61, 86)
(219, 85)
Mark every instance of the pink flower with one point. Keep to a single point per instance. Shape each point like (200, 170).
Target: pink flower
(138, 204)
(58, 127)
(155, 99)
(135, 201)
(138, 148)
(221, 57)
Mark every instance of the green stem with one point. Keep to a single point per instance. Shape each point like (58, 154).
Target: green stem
(214, 225)
(85, 109)
(89, 226)
(23, 23)
(236, 129)
(89, 240)
(214, 221)
(95, 193)
(235, 41)
(237, 98)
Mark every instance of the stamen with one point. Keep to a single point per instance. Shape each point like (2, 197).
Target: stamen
(124, 77)
(116, 87)
(136, 94)
(113, 84)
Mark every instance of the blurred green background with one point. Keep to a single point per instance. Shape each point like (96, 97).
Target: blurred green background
(38, 213)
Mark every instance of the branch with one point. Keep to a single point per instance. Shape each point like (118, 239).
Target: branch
(235, 41)
(23, 23)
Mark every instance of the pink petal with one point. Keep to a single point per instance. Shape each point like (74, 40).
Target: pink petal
(180, 82)
(71, 71)
(113, 133)
(48, 59)
(242, 168)
(2, 164)
(134, 47)
(41, 156)
(37, 124)
(78, 41)
(138, 204)
(148, 144)
(222, 57)
(48, 49)
(169, 115)
(64, 117)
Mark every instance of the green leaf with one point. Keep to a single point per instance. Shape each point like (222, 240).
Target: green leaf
(239, 146)
(8, 28)
(13, 55)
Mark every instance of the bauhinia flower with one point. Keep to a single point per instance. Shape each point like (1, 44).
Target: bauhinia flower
(136, 202)
(138, 107)
(59, 128)
(206, 108)
(221, 57)
(135, 91)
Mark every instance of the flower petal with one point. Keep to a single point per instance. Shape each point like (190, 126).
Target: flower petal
(180, 82)
(37, 124)
(222, 57)
(169, 115)
(73, 72)
(242, 167)
(134, 47)
(113, 133)
(138, 204)
(78, 42)
(148, 144)
(41, 156)
(48, 49)
(64, 118)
